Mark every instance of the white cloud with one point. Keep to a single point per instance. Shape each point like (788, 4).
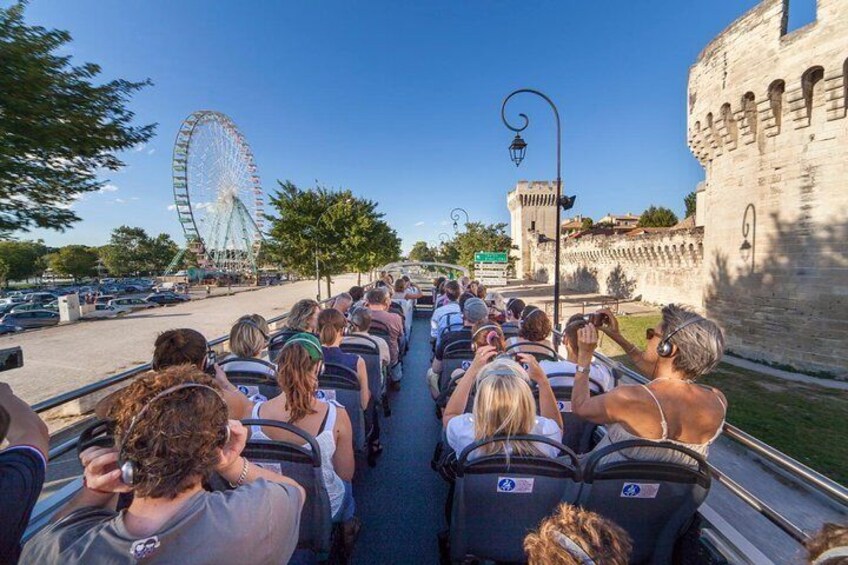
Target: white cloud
(419, 224)
(120, 201)
(151, 151)
(108, 188)
(133, 197)
(172, 207)
(140, 147)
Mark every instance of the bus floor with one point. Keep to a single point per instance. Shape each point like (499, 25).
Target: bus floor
(401, 500)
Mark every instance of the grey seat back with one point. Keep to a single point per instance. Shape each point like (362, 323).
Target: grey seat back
(457, 355)
(498, 500)
(577, 433)
(653, 501)
(341, 384)
(277, 341)
(251, 382)
(540, 351)
(368, 349)
(303, 464)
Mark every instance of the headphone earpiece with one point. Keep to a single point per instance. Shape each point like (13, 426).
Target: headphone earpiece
(665, 348)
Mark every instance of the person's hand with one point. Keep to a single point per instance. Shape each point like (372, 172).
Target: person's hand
(482, 356)
(101, 471)
(587, 341)
(231, 453)
(531, 365)
(610, 326)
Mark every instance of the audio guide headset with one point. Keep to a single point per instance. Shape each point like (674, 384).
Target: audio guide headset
(665, 348)
(252, 324)
(128, 467)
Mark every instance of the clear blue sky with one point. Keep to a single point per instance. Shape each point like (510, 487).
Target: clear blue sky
(400, 101)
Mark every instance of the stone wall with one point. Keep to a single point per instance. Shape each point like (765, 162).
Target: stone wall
(767, 120)
(660, 267)
(531, 209)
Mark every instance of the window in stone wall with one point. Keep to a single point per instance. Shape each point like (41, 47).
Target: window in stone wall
(811, 85)
(775, 94)
(801, 13)
(729, 123)
(749, 106)
(845, 86)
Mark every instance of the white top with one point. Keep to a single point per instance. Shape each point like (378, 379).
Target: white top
(597, 372)
(442, 312)
(326, 445)
(460, 434)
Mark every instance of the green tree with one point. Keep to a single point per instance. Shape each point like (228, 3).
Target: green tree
(587, 224)
(22, 258)
(77, 261)
(127, 252)
(691, 201)
(448, 253)
(482, 237)
(59, 127)
(4, 272)
(657, 217)
(159, 251)
(421, 251)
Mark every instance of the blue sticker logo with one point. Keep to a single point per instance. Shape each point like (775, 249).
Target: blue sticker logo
(466, 365)
(631, 490)
(243, 390)
(506, 485)
(320, 395)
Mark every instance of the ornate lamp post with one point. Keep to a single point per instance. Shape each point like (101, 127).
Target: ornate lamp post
(444, 237)
(517, 150)
(454, 215)
(747, 248)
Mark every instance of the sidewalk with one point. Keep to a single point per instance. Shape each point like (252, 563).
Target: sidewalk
(781, 374)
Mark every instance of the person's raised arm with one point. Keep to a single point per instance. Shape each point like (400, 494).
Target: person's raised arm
(547, 399)
(634, 353)
(238, 404)
(459, 398)
(101, 482)
(25, 427)
(364, 392)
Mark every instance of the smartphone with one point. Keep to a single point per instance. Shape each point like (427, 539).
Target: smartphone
(11, 358)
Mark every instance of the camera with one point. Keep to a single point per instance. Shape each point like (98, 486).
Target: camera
(597, 319)
(11, 358)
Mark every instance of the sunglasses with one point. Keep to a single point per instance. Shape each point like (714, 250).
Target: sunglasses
(650, 334)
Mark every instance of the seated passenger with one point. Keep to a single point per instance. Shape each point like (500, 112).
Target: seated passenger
(598, 372)
(503, 406)
(357, 294)
(573, 536)
(173, 433)
(360, 323)
(377, 300)
(343, 302)
(474, 312)
(248, 338)
(403, 291)
(829, 546)
(683, 347)
(331, 326)
(442, 314)
(535, 328)
(452, 321)
(23, 465)
(495, 302)
(302, 318)
(514, 308)
(405, 300)
(299, 367)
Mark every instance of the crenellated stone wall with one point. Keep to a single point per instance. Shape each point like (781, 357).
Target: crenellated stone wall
(660, 267)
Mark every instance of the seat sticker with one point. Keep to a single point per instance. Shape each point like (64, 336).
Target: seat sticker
(640, 490)
(269, 466)
(466, 365)
(515, 485)
(326, 394)
(564, 405)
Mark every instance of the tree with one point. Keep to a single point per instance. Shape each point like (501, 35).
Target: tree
(587, 224)
(127, 251)
(481, 237)
(77, 261)
(159, 252)
(58, 127)
(657, 217)
(4, 272)
(691, 202)
(422, 252)
(22, 258)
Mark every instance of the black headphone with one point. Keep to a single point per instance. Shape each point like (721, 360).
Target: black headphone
(252, 324)
(665, 348)
(127, 466)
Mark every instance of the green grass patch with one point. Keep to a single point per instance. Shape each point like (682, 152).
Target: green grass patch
(807, 422)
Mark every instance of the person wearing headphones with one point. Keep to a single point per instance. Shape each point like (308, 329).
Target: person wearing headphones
(672, 408)
(248, 338)
(172, 432)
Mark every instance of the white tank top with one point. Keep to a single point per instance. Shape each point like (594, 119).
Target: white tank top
(326, 439)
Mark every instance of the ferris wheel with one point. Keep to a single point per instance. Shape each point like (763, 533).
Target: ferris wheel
(217, 193)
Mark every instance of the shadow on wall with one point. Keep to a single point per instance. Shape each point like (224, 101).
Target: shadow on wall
(582, 279)
(618, 285)
(542, 275)
(789, 303)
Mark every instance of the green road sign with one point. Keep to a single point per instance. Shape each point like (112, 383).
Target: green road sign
(490, 257)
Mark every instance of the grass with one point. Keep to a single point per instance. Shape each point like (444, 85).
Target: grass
(807, 422)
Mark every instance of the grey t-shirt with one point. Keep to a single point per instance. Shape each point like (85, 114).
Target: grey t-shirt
(255, 523)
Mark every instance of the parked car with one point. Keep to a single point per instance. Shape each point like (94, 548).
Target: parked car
(6, 307)
(28, 307)
(133, 303)
(54, 306)
(167, 298)
(13, 299)
(105, 298)
(31, 319)
(9, 328)
(106, 311)
(39, 297)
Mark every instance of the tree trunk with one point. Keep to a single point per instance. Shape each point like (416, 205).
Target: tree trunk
(358, 279)
(329, 292)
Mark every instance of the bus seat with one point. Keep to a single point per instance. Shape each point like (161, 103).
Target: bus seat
(540, 351)
(254, 381)
(370, 354)
(457, 355)
(341, 384)
(303, 464)
(277, 341)
(655, 502)
(99, 433)
(578, 434)
(499, 500)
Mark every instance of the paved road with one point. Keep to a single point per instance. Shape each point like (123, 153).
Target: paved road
(63, 358)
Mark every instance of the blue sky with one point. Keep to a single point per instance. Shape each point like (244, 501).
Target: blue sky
(400, 101)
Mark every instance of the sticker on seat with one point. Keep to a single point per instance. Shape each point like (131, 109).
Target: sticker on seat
(640, 490)
(326, 394)
(515, 485)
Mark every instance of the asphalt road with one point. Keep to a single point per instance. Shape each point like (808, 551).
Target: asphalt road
(63, 358)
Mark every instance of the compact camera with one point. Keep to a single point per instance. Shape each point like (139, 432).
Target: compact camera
(11, 358)
(597, 319)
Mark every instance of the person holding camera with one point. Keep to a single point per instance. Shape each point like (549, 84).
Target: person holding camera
(503, 405)
(22, 467)
(672, 407)
(600, 377)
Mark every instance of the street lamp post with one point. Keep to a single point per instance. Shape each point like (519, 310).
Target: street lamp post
(517, 150)
(444, 237)
(454, 215)
(318, 221)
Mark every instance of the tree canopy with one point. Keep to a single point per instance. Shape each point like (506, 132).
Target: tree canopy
(131, 251)
(657, 217)
(480, 237)
(691, 201)
(23, 258)
(77, 261)
(346, 233)
(58, 127)
(421, 251)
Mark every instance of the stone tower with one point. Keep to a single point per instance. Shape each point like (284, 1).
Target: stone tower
(531, 212)
(767, 120)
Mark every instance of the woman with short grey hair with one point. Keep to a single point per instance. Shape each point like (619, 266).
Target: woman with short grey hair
(672, 407)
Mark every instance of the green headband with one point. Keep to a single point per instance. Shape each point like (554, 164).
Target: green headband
(310, 343)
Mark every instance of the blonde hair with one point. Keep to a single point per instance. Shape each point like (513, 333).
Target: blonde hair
(301, 314)
(504, 406)
(249, 335)
(602, 540)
